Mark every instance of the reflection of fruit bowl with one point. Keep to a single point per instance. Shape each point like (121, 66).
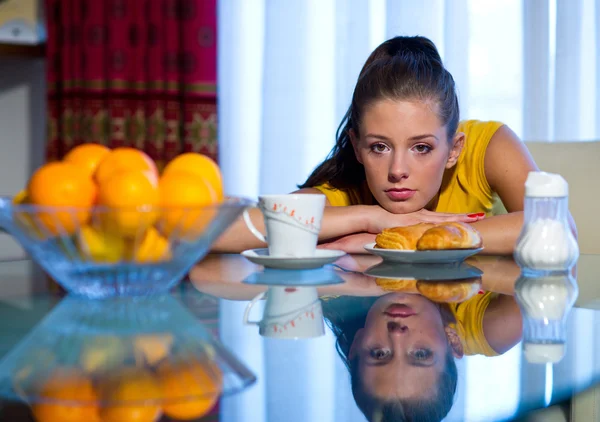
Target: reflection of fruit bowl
(101, 251)
(121, 355)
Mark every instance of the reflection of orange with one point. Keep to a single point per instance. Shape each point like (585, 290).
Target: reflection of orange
(130, 396)
(200, 165)
(87, 156)
(184, 197)
(68, 385)
(124, 158)
(152, 248)
(190, 389)
(62, 184)
(126, 192)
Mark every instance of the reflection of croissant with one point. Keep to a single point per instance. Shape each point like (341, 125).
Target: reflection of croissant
(403, 238)
(397, 285)
(449, 291)
(450, 236)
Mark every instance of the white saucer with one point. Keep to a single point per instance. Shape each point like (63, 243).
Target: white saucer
(320, 258)
(422, 257)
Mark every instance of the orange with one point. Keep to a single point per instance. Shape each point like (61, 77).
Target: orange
(131, 395)
(186, 201)
(72, 387)
(124, 158)
(153, 248)
(127, 194)
(87, 156)
(190, 389)
(66, 185)
(201, 165)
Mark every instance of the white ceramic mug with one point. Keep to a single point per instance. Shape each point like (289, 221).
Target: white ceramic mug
(290, 312)
(292, 222)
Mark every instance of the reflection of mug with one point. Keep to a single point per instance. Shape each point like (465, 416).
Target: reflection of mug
(292, 222)
(290, 312)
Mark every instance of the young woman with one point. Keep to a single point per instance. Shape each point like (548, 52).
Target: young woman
(402, 156)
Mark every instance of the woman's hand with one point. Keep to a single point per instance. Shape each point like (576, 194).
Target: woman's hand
(380, 219)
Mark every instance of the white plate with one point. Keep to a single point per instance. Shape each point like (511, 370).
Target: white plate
(314, 277)
(422, 257)
(429, 272)
(320, 258)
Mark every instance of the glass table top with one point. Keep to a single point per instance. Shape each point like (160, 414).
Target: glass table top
(372, 338)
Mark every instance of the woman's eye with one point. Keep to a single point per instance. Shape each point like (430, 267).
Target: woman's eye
(380, 354)
(422, 354)
(422, 148)
(378, 148)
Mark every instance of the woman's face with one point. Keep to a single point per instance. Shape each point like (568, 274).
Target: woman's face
(404, 148)
(402, 349)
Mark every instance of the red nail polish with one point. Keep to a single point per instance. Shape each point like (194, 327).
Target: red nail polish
(479, 214)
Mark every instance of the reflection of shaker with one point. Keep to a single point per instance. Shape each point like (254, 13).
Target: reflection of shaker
(545, 303)
(546, 244)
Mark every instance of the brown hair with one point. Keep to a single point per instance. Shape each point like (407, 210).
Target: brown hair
(399, 69)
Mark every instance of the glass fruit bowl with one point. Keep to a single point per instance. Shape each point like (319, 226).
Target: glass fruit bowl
(100, 252)
(119, 356)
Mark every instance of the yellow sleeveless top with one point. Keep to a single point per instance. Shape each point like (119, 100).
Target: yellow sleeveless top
(469, 324)
(464, 189)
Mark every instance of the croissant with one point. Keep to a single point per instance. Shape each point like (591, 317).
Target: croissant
(397, 285)
(449, 291)
(403, 238)
(451, 235)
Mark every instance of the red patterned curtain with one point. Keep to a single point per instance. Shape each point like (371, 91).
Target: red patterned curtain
(138, 73)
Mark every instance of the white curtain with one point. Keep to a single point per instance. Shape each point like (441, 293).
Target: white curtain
(287, 69)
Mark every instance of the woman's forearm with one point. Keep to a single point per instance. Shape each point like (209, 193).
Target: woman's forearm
(336, 222)
(500, 233)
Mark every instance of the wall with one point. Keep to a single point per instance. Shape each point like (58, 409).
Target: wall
(22, 138)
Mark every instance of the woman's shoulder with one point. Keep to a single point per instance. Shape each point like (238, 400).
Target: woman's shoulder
(479, 128)
(478, 134)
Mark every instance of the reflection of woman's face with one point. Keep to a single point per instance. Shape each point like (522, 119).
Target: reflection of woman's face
(402, 348)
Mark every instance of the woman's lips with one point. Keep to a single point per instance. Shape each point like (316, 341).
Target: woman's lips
(397, 310)
(400, 194)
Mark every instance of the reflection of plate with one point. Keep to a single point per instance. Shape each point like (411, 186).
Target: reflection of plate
(432, 272)
(320, 258)
(422, 257)
(318, 277)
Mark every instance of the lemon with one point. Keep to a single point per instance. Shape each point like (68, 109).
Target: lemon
(153, 248)
(101, 246)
